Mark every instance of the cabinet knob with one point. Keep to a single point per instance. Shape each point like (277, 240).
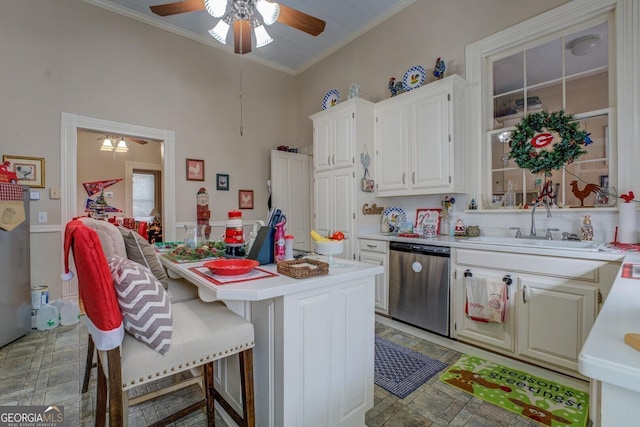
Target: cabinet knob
(403, 175)
(413, 177)
(467, 273)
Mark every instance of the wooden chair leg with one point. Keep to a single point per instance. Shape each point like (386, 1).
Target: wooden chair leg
(248, 419)
(208, 371)
(101, 397)
(116, 415)
(246, 381)
(88, 365)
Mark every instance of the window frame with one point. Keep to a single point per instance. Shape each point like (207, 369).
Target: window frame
(625, 65)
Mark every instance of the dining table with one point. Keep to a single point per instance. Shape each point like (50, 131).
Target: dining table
(314, 339)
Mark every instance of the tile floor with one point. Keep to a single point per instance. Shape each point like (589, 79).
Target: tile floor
(45, 367)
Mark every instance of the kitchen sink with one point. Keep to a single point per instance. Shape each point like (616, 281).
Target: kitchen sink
(576, 245)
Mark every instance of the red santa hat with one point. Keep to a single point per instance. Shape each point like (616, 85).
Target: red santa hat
(104, 319)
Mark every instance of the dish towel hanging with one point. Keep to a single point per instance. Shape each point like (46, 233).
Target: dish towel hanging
(486, 300)
(11, 206)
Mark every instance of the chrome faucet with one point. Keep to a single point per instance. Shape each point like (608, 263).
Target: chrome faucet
(532, 233)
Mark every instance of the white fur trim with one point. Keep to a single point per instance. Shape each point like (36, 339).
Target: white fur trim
(67, 276)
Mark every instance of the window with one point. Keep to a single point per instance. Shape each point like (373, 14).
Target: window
(512, 74)
(146, 193)
(552, 75)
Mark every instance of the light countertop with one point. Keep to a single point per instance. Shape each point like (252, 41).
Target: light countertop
(605, 356)
(271, 287)
(460, 243)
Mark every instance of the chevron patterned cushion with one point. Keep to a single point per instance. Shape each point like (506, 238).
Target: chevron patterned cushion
(144, 303)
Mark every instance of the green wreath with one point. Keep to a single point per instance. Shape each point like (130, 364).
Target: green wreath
(535, 148)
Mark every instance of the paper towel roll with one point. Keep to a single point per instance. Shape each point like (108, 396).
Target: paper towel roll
(627, 231)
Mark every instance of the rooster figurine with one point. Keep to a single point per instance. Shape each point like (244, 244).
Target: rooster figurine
(584, 193)
(395, 87)
(438, 70)
(627, 197)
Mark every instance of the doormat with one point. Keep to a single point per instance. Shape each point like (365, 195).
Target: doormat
(547, 402)
(400, 370)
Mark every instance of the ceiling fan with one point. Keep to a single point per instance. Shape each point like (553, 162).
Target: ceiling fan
(118, 143)
(242, 15)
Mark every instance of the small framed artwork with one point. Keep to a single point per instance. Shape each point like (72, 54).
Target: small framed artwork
(245, 199)
(195, 170)
(28, 170)
(428, 222)
(222, 182)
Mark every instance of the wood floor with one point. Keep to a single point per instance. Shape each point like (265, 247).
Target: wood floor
(45, 367)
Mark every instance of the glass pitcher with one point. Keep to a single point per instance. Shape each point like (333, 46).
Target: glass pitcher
(194, 236)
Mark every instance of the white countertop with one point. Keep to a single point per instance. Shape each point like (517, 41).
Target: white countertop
(272, 287)
(605, 356)
(458, 242)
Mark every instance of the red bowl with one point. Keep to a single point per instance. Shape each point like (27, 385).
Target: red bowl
(231, 267)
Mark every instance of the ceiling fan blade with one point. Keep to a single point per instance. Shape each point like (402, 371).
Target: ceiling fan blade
(177, 7)
(242, 36)
(138, 140)
(300, 20)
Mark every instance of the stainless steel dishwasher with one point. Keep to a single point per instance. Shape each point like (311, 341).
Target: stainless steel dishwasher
(419, 285)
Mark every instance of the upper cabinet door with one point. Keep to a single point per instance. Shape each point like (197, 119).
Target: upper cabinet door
(343, 140)
(430, 147)
(334, 139)
(322, 144)
(391, 149)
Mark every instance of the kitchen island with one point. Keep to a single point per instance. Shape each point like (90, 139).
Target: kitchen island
(314, 348)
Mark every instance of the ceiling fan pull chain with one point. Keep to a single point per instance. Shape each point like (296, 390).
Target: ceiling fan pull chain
(241, 127)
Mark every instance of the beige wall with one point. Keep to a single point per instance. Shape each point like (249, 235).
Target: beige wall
(417, 35)
(70, 56)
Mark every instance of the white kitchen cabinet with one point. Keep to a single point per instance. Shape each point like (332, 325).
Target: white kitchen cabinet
(420, 139)
(553, 303)
(334, 133)
(335, 206)
(495, 335)
(340, 134)
(377, 252)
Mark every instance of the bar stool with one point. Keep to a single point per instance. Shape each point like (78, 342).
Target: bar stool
(202, 333)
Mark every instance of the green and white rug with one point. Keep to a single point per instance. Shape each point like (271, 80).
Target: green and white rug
(547, 402)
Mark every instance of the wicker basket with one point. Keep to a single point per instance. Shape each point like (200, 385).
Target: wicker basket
(303, 268)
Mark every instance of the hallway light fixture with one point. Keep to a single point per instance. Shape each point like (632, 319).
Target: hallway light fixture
(242, 13)
(113, 143)
(584, 45)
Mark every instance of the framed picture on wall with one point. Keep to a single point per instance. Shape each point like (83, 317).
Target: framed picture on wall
(222, 182)
(195, 170)
(245, 199)
(29, 170)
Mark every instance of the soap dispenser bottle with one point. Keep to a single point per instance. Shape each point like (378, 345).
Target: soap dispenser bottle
(587, 229)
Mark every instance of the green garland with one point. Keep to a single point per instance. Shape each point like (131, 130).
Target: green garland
(552, 156)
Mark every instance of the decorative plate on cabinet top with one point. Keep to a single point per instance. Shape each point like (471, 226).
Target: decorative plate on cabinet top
(414, 77)
(330, 99)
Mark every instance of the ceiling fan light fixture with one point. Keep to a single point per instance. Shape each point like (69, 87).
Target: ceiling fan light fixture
(107, 145)
(219, 32)
(269, 11)
(121, 147)
(585, 45)
(262, 37)
(216, 8)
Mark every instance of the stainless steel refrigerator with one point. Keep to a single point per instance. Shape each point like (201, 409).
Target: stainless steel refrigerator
(15, 279)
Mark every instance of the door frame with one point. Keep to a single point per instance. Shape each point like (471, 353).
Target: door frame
(69, 125)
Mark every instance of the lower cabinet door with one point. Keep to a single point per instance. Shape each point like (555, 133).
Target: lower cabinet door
(382, 292)
(491, 335)
(555, 317)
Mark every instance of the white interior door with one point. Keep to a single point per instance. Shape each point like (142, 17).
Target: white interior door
(290, 183)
